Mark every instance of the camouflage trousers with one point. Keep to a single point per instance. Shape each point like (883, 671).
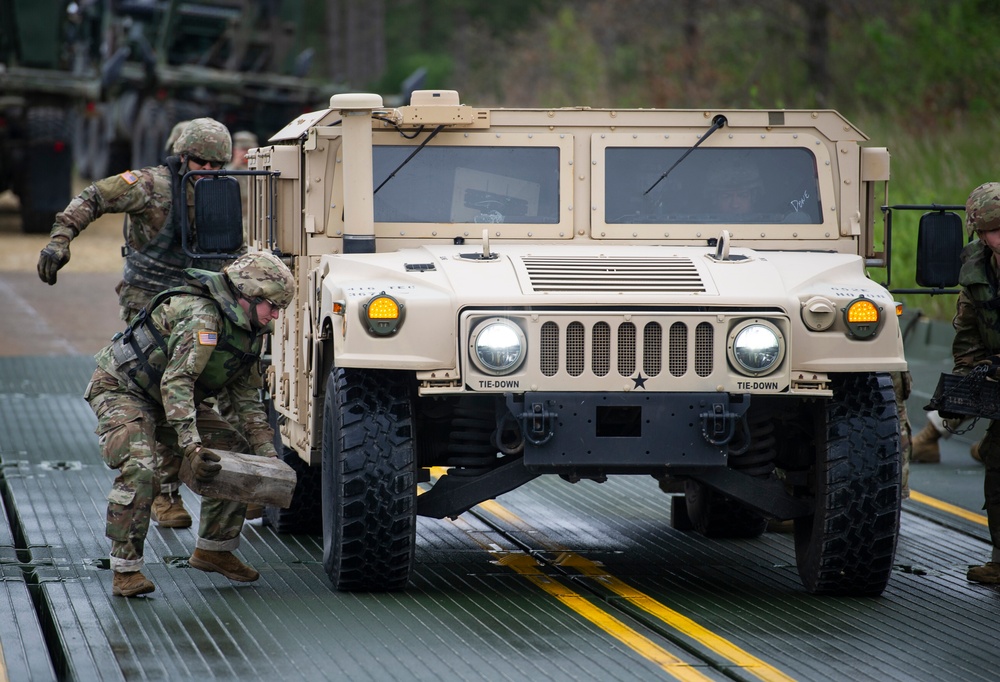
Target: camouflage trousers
(989, 450)
(133, 435)
(903, 383)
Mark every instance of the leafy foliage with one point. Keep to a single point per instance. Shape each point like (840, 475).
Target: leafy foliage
(918, 76)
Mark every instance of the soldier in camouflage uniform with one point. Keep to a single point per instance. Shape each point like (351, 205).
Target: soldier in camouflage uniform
(154, 257)
(188, 343)
(977, 342)
(902, 384)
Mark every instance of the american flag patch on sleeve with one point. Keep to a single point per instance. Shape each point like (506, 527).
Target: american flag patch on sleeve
(129, 177)
(208, 338)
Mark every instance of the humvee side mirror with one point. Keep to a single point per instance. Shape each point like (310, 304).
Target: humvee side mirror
(218, 218)
(940, 238)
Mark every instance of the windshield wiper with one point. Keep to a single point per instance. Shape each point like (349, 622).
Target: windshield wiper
(717, 123)
(407, 159)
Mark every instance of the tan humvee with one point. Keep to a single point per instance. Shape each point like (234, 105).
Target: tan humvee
(503, 293)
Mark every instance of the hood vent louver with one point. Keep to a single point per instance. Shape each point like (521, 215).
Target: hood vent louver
(599, 274)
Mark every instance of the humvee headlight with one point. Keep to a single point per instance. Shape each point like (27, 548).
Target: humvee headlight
(497, 346)
(382, 314)
(756, 347)
(862, 317)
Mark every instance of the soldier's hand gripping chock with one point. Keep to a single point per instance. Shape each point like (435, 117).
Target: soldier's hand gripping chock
(204, 463)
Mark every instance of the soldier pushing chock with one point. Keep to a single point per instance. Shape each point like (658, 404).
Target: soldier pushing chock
(149, 393)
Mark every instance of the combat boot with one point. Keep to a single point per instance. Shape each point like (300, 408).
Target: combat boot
(168, 511)
(989, 573)
(223, 562)
(130, 584)
(974, 451)
(924, 446)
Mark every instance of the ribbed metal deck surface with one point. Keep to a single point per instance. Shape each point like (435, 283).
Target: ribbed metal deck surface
(466, 615)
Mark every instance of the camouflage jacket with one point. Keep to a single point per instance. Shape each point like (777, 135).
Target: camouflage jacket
(209, 343)
(977, 315)
(146, 196)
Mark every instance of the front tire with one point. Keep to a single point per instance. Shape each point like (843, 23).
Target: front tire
(847, 546)
(368, 480)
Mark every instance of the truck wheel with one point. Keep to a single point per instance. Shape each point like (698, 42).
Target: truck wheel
(847, 546)
(304, 517)
(716, 516)
(48, 169)
(369, 480)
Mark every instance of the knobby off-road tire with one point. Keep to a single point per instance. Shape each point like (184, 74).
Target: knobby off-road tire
(847, 547)
(45, 185)
(369, 480)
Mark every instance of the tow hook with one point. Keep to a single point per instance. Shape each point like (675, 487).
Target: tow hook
(719, 426)
(537, 424)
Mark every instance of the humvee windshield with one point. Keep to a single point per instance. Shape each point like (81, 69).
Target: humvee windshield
(466, 184)
(731, 185)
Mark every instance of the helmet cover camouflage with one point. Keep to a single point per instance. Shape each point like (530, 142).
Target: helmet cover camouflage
(206, 139)
(262, 275)
(982, 208)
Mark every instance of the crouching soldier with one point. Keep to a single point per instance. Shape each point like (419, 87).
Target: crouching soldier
(189, 343)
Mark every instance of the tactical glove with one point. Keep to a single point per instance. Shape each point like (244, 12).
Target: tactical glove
(53, 256)
(204, 463)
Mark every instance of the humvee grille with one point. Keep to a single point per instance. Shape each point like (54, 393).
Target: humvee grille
(588, 274)
(629, 343)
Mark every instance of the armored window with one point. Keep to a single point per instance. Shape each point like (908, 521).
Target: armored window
(474, 184)
(729, 185)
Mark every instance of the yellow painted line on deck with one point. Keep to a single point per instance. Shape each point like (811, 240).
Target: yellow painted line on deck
(528, 567)
(3, 667)
(665, 614)
(947, 507)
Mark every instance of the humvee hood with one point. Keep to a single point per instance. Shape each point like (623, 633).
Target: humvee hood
(609, 275)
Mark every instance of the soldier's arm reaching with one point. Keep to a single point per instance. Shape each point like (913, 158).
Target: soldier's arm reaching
(967, 348)
(245, 398)
(193, 339)
(124, 193)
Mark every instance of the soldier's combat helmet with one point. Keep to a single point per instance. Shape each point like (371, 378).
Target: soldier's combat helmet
(207, 139)
(261, 276)
(982, 208)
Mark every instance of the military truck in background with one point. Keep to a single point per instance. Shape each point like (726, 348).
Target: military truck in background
(98, 84)
(41, 84)
(490, 295)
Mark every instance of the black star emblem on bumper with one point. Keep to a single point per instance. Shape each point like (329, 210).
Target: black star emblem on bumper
(640, 381)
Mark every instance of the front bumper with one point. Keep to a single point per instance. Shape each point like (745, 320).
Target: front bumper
(628, 432)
